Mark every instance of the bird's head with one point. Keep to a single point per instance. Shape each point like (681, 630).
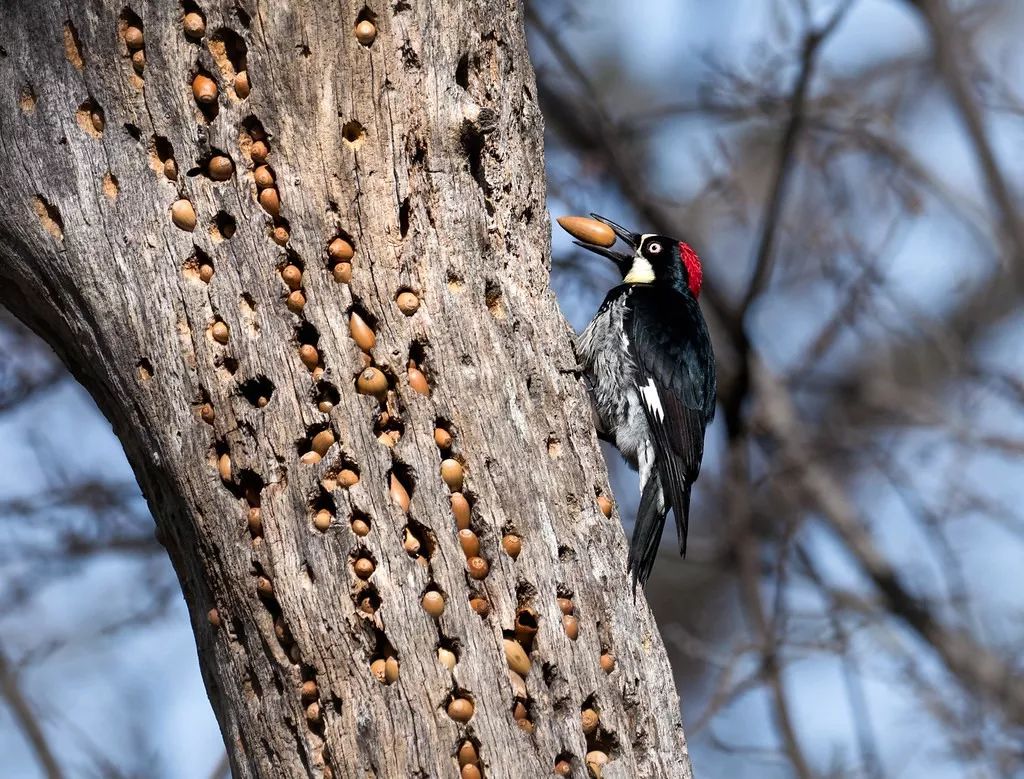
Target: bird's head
(653, 259)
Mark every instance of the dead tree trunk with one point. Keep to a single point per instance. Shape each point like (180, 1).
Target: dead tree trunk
(180, 196)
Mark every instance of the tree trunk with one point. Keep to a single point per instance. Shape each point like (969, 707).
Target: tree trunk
(236, 394)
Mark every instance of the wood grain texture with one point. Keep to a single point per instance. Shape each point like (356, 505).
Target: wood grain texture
(424, 151)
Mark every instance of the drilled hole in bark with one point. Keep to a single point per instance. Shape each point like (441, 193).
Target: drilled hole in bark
(223, 226)
(566, 554)
(325, 396)
(198, 267)
(27, 99)
(91, 118)
(367, 599)
(49, 216)
(229, 51)
(384, 663)
(257, 390)
(493, 299)
(133, 131)
(418, 541)
(129, 27)
(145, 369)
(73, 45)
(307, 334)
(353, 134)
(388, 429)
(403, 217)
(462, 71)
(161, 156)
(401, 485)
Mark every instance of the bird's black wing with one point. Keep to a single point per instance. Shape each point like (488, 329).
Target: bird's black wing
(676, 382)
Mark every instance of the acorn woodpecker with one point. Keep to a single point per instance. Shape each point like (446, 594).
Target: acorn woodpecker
(649, 366)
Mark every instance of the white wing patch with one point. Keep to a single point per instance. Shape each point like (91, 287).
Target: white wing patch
(649, 392)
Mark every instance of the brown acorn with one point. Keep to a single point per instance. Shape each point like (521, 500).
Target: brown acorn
(139, 61)
(270, 201)
(480, 605)
(296, 301)
(596, 761)
(171, 169)
(194, 24)
(366, 32)
(566, 605)
(205, 272)
(467, 754)
(451, 474)
(460, 709)
(442, 438)
(310, 458)
(340, 249)
(220, 332)
(571, 626)
(204, 89)
(588, 230)
(241, 85)
(359, 527)
(279, 235)
(417, 381)
(516, 657)
(563, 768)
(263, 176)
(183, 215)
(292, 276)
(399, 494)
(322, 519)
(133, 37)
(220, 167)
(309, 355)
(347, 478)
(214, 617)
(342, 272)
(470, 772)
(258, 151)
(607, 662)
(322, 441)
(372, 382)
(478, 567)
(363, 567)
(206, 413)
(589, 719)
(461, 510)
(378, 669)
(410, 543)
(264, 586)
(309, 691)
(254, 520)
(512, 544)
(469, 542)
(361, 332)
(433, 603)
(391, 670)
(447, 658)
(605, 505)
(407, 302)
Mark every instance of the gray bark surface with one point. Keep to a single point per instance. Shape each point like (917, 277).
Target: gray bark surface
(423, 150)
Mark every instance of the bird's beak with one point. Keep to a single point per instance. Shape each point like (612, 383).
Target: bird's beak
(621, 259)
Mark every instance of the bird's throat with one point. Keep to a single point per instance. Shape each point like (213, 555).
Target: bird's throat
(640, 272)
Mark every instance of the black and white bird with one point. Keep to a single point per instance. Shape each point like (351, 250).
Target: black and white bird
(648, 361)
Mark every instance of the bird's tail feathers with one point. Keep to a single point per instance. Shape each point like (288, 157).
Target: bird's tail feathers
(650, 520)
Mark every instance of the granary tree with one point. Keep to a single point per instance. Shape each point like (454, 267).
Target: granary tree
(298, 254)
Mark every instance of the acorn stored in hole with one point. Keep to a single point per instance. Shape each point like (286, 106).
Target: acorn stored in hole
(605, 505)
(309, 355)
(270, 201)
(280, 235)
(183, 215)
(460, 709)
(254, 520)
(292, 276)
(361, 332)
(214, 617)
(518, 685)
(407, 302)
(360, 527)
(263, 176)
(571, 626)
(519, 711)
(372, 382)
(322, 441)
(451, 474)
(340, 249)
(205, 273)
(258, 151)
(322, 520)
(391, 670)
(480, 605)
(399, 494)
(139, 61)
(220, 332)
(378, 668)
(206, 413)
(347, 477)
(442, 438)
(470, 772)
(461, 511)
(224, 466)
(171, 169)
(241, 84)
(433, 603)
(596, 761)
(469, 542)
(194, 24)
(220, 167)
(342, 272)
(309, 690)
(588, 230)
(607, 662)
(133, 37)
(447, 658)
(566, 605)
(417, 381)
(264, 586)
(310, 458)
(366, 32)
(563, 768)
(467, 754)
(589, 719)
(410, 543)
(296, 301)
(513, 545)
(516, 657)
(204, 89)
(96, 118)
(478, 567)
(363, 567)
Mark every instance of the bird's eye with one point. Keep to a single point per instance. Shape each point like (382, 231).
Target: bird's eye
(654, 248)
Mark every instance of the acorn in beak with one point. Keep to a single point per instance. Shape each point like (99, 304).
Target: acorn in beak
(598, 234)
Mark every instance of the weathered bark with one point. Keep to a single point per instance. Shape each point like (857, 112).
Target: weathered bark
(424, 150)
